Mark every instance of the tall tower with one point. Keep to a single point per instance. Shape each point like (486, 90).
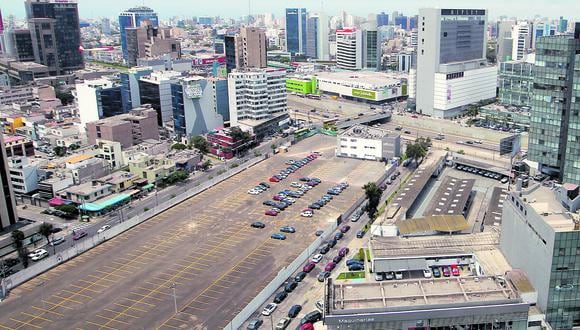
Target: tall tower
(296, 30)
(132, 18)
(56, 36)
(7, 205)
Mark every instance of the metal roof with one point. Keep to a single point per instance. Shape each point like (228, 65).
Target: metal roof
(437, 223)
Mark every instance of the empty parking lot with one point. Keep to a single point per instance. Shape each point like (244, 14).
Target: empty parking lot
(202, 253)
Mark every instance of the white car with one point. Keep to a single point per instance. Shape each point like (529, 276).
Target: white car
(269, 309)
(399, 275)
(306, 187)
(307, 214)
(317, 258)
(295, 185)
(103, 228)
(35, 252)
(57, 241)
(42, 254)
(427, 273)
(253, 192)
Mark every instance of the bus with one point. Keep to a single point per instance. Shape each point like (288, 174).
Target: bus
(313, 96)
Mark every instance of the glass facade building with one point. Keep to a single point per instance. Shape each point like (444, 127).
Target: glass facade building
(296, 30)
(554, 140)
(382, 19)
(516, 82)
(133, 17)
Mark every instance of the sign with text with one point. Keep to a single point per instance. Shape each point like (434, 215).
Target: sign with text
(370, 95)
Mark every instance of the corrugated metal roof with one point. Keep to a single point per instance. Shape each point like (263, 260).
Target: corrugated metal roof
(438, 223)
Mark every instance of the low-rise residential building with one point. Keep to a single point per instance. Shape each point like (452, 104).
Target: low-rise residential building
(365, 142)
(186, 160)
(23, 175)
(119, 181)
(129, 129)
(222, 144)
(16, 94)
(152, 168)
(50, 187)
(112, 152)
(88, 169)
(87, 192)
(371, 87)
(18, 146)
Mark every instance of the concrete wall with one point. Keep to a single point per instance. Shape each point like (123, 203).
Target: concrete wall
(527, 242)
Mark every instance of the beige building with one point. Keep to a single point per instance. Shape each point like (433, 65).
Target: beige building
(152, 168)
(252, 45)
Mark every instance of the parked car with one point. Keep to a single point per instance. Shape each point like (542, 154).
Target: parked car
(398, 275)
(288, 229)
(57, 241)
(278, 236)
(307, 214)
(345, 228)
(103, 228)
(280, 296)
(269, 309)
(446, 271)
(300, 276)
(330, 266)
(343, 251)
(379, 277)
(311, 317)
(255, 324)
(271, 213)
(283, 323)
(274, 179)
(323, 275)
(338, 236)
(389, 276)
(360, 234)
(319, 304)
(317, 258)
(258, 224)
(436, 272)
(324, 249)
(337, 259)
(356, 267)
(294, 310)
(319, 232)
(427, 273)
(455, 270)
(351, 262)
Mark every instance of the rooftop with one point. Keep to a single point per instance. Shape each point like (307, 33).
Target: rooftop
(544, 202)
(420, 292)
(13, 138)
(525, 111)
(378, 79)
(452, 196)
(87, 188)
(438, 223)
(117, 177)
(365, 132)
(78, 158)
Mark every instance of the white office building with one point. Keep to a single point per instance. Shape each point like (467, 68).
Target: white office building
(97, 99)
(363, 142)
(23, 175)
(256, 96)
(522, 40)
(349, 49)
(452, 69)
(367, 86)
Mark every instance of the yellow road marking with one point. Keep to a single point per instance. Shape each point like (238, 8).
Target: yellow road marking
(46, 311)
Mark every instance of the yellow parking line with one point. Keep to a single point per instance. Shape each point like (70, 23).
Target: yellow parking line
(111, 319)
(5, 327)
(83, 288)
(55, 305)
(134, 308)
(79, 294)
(100, 325)
(36, 316)
(170, 326)
(146, 296)
(67, 299)
(139, 302)
(126, 314)
(46, 311)
(98, 279)
(25, 323)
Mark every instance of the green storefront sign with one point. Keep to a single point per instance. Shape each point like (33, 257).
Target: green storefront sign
(299, 86)
(369, 95)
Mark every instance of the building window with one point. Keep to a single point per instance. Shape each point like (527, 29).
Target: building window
(444, 34)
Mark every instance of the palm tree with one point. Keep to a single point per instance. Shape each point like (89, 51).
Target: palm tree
(46, 230)
(373, 194)
(18, 240)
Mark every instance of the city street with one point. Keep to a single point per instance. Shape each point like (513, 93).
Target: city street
(200, 256)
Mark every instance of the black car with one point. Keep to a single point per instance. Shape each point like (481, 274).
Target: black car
(55, 230)
(264, 184)
(311, 317)
(300, 276)
(332, 243)
(323, 275)
(338, 236)
(314, 206)
(269, 203)
(280, 296)
(258, 224)
(360, 234)
(294, 310)
(333, 192)
(316, 180)
(355, 267)
(319, 232)
(324, 249)
(290, 285)
(351, 262)
(322, 202)
(337, 259)
(304, 179)
(255, 324)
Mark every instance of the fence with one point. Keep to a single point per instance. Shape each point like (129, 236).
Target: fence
(81, 246)
(278, 281)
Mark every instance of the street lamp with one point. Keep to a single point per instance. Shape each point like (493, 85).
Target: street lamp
(174, 297)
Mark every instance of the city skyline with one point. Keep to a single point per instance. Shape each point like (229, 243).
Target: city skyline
(496, 8)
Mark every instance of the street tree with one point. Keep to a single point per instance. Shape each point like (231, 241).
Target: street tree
(200, 143)
(18, 241)
(178, 146)
(45, 230)
(373, 194)
(415, 151)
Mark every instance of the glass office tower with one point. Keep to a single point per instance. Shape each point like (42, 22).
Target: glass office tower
(133, 17)
(296, 30)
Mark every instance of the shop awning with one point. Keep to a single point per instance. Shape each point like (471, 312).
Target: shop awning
(101, 205)
(148, 186)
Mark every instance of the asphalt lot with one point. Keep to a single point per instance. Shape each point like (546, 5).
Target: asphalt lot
(202, 249)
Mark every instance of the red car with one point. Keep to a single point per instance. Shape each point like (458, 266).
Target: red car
(78, 235)
(273, 179)
(307, 326)
(344, 229)
(277, 198)
(329, 266)
(455, 270)
(308, 267)
(271, 213)
(414, 116)
(446, 272)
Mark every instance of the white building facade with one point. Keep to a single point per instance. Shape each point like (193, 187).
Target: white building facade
(363, 142)
(23, 176)
(349, 49)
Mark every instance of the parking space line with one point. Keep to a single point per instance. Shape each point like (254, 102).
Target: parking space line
(139, 302)
(25, 323)
(146, 296)
(5, 327)
(134, 308)
(98, 279)
(78, 294)
(87, 289)
(47, 311)
(100, 325)
(111, 320)
(126, 314)
(36, 316)
(67, 299)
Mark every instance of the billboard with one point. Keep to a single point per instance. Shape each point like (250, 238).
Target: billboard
(510, 145)
(369, 95)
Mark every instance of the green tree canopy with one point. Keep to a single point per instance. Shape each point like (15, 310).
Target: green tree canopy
(415, 151)
(200, 143)
(373, 194)
(178, 146)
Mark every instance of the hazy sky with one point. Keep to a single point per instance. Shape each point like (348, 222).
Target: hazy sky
(237, 8)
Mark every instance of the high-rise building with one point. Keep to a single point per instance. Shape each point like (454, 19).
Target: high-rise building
(555, 118)
(130, 86)
(133, 17)
(155, 89)
(296, 30)
(7, 204)
(56, 35)
(371, 46)
(562, 24)
(323, 43)
(504, 42)
(349, 49)
(516, 82)
(522, 39)
(195, 105)
(98, 99)
(257, 99)
(1, 31)
(18, 44)
(401, 21)
(148, 41)
(106, 26)
(452, 70)
(382, 19)
(247, 49)
(540, 236)
(312, 36)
